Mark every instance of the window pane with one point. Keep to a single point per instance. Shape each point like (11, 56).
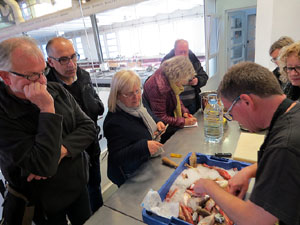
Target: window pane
(78, 40)
(212, 66)
(111, 42)
(111, 35)
(112, 48)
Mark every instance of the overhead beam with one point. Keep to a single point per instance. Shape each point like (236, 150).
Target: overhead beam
(88, 9)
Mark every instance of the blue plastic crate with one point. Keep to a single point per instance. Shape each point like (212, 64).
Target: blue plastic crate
(153, 219)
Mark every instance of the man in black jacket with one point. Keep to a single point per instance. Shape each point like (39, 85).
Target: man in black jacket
(62, 61)
(274, 53)
(190, 96)
(43, 134)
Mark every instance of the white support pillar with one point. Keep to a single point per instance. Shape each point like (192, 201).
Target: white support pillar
(275, 18)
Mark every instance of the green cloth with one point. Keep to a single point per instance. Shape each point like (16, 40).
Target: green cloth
(177, 90)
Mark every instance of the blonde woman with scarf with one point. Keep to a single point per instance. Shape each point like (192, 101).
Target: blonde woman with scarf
(162, 89)
(129, 128)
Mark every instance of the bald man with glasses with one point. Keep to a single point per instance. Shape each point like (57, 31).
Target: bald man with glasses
(63, 68)
(190, 96)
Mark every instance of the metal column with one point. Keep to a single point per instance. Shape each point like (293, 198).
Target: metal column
(96, 37)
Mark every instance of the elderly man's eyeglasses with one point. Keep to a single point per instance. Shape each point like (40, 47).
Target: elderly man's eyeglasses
(228, 115)
(131, 94)
(190, 80)
(274, 60)
(289, 69)
(65, 60)
(33, 77)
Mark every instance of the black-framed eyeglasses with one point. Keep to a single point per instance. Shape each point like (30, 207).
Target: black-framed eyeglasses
(33, 77)
(289, 69)
(228, 115)
(274, 60)
(64, 60)
(190, 80)
(133, 93)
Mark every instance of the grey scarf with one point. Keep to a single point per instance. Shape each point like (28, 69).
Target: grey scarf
(140, 112)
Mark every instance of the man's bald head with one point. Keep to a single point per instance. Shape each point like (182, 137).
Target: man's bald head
(181, 47)
(51, 45)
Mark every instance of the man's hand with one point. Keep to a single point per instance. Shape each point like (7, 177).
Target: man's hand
(37, 94)
(63, 153)
(194, 81)
(35, 177)
(201, 184)
(238, 184)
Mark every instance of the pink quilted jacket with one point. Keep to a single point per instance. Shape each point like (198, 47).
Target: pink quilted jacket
(162, 100)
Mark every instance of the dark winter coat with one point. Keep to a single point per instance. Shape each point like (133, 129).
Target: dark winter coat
(30, 142)
(86, 97)
(127, 138)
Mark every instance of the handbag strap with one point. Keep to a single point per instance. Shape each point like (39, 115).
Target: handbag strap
(17, 194)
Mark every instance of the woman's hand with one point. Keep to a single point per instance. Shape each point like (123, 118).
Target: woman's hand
(189, 119)
(160, 126)
(188, 115)
(153, 146)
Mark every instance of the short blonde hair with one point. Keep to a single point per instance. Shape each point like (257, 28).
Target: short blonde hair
(293, 49)
(178, 68)
(122, 81)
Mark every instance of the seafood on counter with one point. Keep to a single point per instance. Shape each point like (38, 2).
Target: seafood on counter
(169, 162)
(193, 160)
(199, 209)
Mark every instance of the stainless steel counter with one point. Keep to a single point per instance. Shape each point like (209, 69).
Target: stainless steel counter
(107, 216)
(153, 174)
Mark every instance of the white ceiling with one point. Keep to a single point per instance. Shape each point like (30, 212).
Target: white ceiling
(145, 9)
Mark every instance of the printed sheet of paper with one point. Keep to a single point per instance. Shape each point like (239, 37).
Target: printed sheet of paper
(194, 125)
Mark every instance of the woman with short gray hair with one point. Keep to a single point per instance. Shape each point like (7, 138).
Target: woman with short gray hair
(162, 91)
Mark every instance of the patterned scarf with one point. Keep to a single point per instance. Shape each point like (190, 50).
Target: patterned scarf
(140, 112)
(177, 90)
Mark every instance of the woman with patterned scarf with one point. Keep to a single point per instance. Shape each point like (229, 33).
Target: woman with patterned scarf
(162, 90)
